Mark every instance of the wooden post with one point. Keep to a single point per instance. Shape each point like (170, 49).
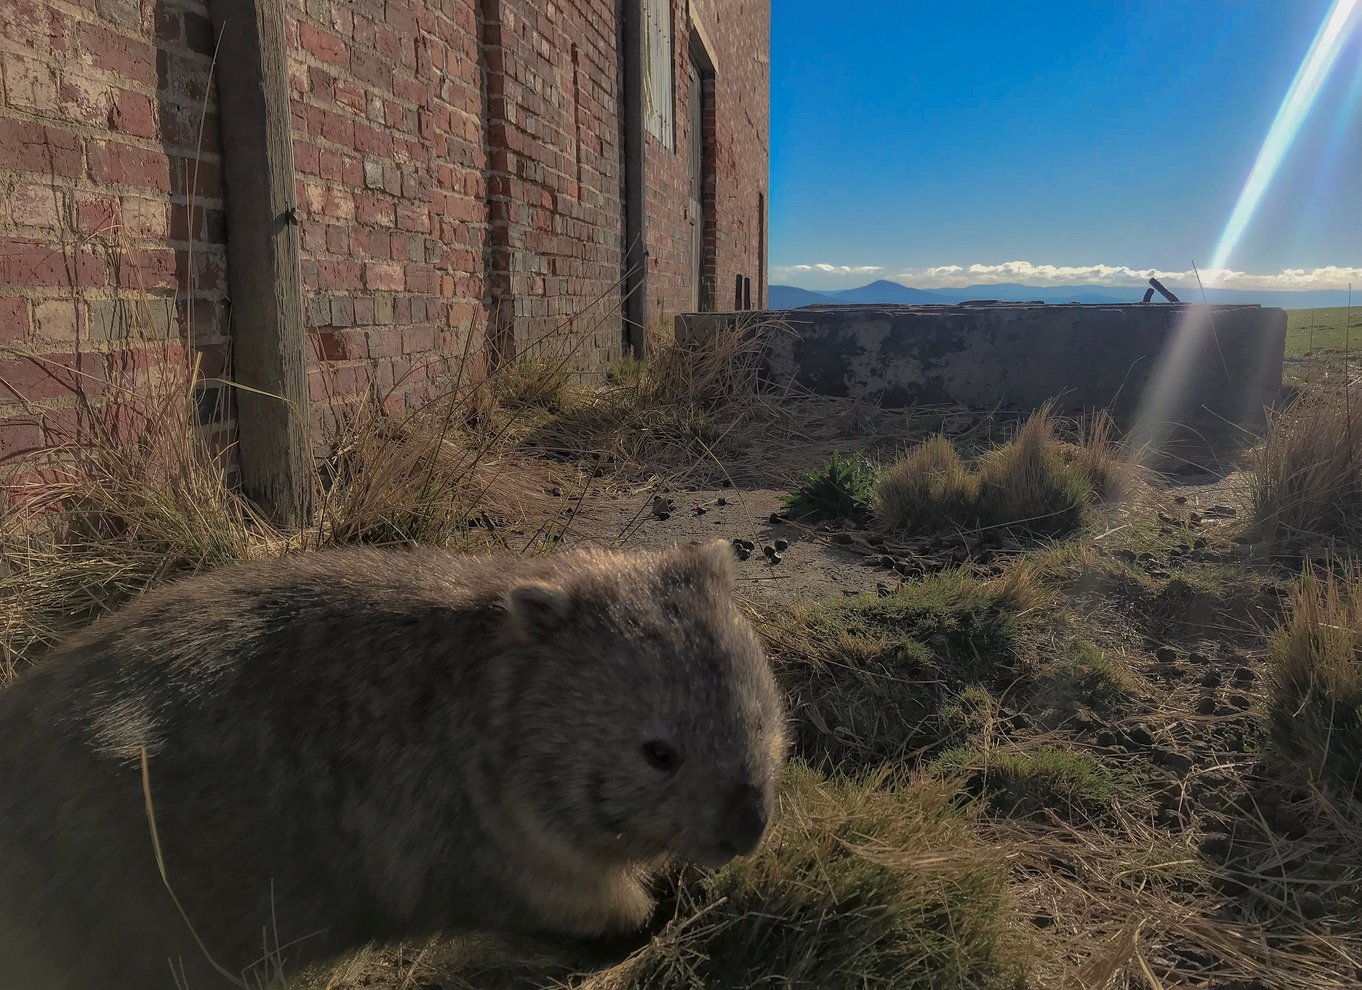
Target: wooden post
(268, 347)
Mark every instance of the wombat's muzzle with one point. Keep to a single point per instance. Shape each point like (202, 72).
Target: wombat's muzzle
(743, 822)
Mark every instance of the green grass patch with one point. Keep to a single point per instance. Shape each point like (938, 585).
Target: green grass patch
(877, 883)
(869, 675)
(1082, 677)
(1312, 331)
(1030, 783)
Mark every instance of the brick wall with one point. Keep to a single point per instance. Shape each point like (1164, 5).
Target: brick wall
(458, 181)
(389, 151)
(553, 118)
(733, 36)
(100, 147)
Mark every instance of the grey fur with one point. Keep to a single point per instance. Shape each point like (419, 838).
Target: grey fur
(365, 745)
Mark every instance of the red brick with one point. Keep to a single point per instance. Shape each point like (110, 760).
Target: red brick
(378, 276)
(95, 212)
(133, 114)
(35, 263)
(323, 44)
(49, 377)
(17, 438)
(130, 58)
(37, 206)
(14, 325)
(32, 147)
(122, 164)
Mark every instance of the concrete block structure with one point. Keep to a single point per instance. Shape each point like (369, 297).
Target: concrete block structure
(1178, 362)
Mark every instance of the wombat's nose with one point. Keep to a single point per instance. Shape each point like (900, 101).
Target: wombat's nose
(744, 821)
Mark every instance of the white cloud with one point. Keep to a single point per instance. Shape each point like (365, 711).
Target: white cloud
(843, 269)
(1029, 273)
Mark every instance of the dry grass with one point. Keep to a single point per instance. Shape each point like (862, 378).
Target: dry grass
(875, 883)
(688, 408)
(1306, 479)
(138, 500)
(930, 487)
(1034, 482)
(1315, 679)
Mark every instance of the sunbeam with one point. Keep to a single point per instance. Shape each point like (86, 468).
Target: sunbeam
(1300, 97)
(1189, 338)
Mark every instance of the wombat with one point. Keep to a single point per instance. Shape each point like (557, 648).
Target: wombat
(364, 745)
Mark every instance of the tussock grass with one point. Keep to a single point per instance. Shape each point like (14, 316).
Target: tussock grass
(1314, 689)
(875, 883)
(1034, 482)
(1029, 783)
(869, 676)
(1306, 478)
(930, 487)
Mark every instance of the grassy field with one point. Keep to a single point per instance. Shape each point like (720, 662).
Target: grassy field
(1119, 753)
(1317, 331)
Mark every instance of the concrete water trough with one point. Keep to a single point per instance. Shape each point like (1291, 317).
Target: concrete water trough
(1197, 363)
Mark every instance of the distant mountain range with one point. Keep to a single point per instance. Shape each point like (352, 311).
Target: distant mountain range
(884, 292)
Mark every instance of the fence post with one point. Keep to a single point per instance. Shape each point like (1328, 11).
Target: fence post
(264, 277)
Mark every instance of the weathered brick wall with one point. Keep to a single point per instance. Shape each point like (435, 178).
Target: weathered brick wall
(737, 131)
(740, 31)
(101, 144)
(553, 118)
(389, 151)
(458, 179)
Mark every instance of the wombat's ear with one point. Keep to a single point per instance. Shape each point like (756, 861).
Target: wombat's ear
(714, 561)
(537, 605)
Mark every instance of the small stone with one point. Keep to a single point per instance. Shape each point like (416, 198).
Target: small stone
(721, 501)
(875, 540)
(1216, 845)
(700, 510)
(776, 519)
(769, 550)
(887, 560)
(1311, 906)
(1206, 706)
(1180, 499)
(556, 492)
(842, 538)
(782, 545)
(1166, 654)
(1106, 739)
(874, 560)
(1140, 736)
(1198, 658)
(1211, 679)
(662, 516)
(1176, 762)
(1243, 675)
(1239, 702)
(775, 558)
(742, 552)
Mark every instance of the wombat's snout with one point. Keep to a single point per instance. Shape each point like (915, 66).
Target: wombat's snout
(744, 821)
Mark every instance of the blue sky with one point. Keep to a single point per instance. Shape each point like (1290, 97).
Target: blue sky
(910, 137)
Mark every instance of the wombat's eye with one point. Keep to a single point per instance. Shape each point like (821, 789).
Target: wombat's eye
(661, 756)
